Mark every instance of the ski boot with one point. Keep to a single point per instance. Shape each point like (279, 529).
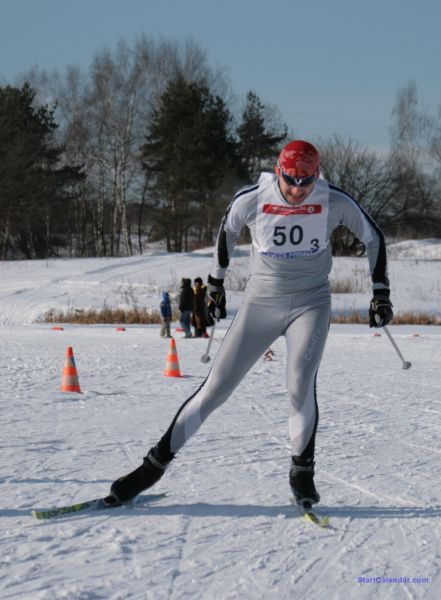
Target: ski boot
(128, 486)
(301, 480)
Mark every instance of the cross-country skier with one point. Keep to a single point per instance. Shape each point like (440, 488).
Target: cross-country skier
(291, 215)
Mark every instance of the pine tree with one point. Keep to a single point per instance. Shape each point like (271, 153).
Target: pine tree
(187, 152)
(33, 184)
(259, 141)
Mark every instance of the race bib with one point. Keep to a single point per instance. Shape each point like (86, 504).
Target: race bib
(284, 231)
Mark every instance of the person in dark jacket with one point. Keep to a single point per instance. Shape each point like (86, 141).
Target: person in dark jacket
(186, 306)
(166, 315)
(198, 318)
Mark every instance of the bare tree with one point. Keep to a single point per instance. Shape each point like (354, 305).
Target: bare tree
(369, 178)
(414, 164)
(361, 172)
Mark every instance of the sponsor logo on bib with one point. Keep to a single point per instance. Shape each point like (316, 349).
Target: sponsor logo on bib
(303, 209)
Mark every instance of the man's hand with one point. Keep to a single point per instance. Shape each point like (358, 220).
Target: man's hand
(380, 309)
(216, 302)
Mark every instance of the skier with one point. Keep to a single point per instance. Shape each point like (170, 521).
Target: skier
(291, 215)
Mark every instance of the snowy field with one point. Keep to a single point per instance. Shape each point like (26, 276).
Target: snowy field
(226, 528)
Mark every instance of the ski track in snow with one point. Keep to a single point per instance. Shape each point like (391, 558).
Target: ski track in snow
(226, 529)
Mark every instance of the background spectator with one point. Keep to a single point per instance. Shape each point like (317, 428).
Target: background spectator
(199, 318)
(186, 306)
(166, 315)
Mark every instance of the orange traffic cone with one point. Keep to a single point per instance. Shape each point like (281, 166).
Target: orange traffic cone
(172, 364)
(69, 381)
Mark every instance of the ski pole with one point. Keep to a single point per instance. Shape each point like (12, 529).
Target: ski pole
(406, 363)
(206, 357)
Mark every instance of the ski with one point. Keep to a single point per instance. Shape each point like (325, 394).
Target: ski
(309, 515)
(91, 505)
(312, 517)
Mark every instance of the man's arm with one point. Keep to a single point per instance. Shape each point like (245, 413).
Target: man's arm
(357, 220)
(238, 214)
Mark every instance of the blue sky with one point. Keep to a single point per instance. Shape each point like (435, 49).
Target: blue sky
(330, 66)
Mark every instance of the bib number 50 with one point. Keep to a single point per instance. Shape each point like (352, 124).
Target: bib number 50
(295, 235)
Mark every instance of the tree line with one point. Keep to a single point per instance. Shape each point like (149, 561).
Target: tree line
(149, 146)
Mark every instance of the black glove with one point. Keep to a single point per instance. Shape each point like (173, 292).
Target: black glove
(380, 309)
(216, 302)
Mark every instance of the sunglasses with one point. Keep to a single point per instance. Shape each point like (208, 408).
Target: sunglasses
(298, 181)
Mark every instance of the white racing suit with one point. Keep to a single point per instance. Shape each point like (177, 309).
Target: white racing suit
(287, 294)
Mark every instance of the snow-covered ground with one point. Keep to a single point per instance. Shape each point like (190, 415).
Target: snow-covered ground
(226, 529)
